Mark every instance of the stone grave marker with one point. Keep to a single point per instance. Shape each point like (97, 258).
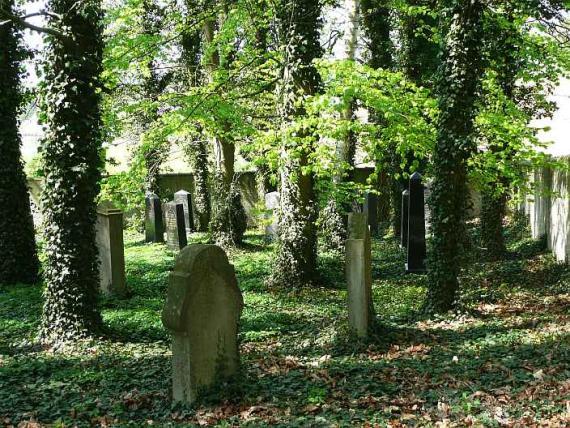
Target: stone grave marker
(272, 201)
(109, 239)
(416, 226)
(404, 226)
(371, 210)
(175, 226)
(359, 274)
(154, 226)
(185, 198)
(202, 311)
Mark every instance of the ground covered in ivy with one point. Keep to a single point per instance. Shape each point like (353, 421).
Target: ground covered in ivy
(503, 359)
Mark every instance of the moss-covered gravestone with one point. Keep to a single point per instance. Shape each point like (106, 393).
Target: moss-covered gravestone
(359, 274)
(202, 311)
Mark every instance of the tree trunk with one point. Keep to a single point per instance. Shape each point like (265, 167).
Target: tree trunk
(461, 72)
(298, 25)
(196, 150)
(228, 223)
(72, 158)
(18, 257)
(494, 197)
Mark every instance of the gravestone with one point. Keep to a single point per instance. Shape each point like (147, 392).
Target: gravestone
(175, 226)
(359, 274)
(370, 208)
(272, 201)
(416, 226)
(404, 226)
(202, 311)
(111, 250)
(185, 198)
(153, 226)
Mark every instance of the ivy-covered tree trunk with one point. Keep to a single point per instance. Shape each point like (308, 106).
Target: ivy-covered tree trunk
(18, 257)
(298, 24)
(71, 151)
(419, 50)
(494, 196)
(196, 149)
(458, 86)
(228, 222)
(493, 210)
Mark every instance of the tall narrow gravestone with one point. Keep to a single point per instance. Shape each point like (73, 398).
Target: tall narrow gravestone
(416, 227)
(202, 311)
(175, 226)
(359, 274)
(404, 226)
(371, 210)
(153, 227)
(111, 250)
(185, 198)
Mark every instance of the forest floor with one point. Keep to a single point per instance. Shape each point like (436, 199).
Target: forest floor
(503, 359)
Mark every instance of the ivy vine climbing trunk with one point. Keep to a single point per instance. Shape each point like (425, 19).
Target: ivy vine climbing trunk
(298, 25)
(18, 257)
(71, 150)
(228, 222)
(196, 148)
(458, 86)
(494, 196)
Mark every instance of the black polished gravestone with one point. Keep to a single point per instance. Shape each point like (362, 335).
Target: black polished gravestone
(185, 198)
(404, 225)
(370, 208)
(416, 226)
(153, 225)
(175, 226)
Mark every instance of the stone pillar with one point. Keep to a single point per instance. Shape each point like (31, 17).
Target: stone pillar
(175, 226)
(202, 311)
(272, 202)
(404, 227)
(540, 216)
(359, 274)
(109, 239)
(185, 198)
(416, 226)
(557, 206)
(153, 226)
(371, 210)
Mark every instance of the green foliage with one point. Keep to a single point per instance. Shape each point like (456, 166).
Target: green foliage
(18, 258)
(72, 162)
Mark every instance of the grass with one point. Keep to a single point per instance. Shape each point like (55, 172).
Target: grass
(502, 359)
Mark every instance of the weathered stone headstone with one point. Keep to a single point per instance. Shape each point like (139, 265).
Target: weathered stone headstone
(404, 226)
(371, 210)
(202, 310)
(185, 198)
(272, 201)
(154, 227)
(359, 274)
(416, 227)
(109, 239)
(175, 226)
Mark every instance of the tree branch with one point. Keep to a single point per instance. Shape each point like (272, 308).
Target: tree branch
(25, 24)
